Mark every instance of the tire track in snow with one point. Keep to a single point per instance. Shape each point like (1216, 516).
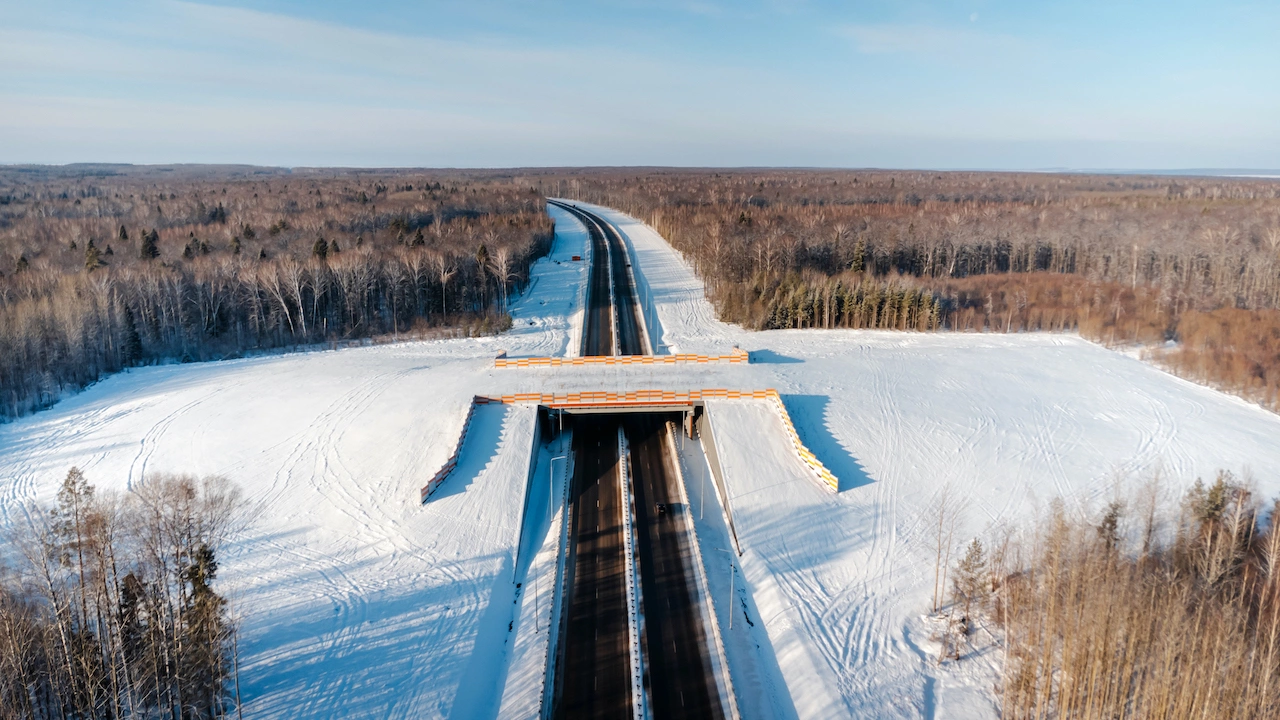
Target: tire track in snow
(147, 448)
(21, 492)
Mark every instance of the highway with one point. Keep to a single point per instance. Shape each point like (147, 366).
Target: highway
(631, 340)
(598, 333)
(596, 677)
(676, 649)
(593, 670)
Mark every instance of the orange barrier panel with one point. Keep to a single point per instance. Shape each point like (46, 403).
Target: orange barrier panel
(636, 399)
(824, 475)
(736, 356)
(452, 462)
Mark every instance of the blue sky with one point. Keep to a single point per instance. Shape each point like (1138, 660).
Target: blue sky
(869, 83)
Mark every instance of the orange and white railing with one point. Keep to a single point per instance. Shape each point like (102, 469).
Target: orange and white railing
(635, 398)
(808, 458)
(452, 462)
(737, 356)
(589, 399)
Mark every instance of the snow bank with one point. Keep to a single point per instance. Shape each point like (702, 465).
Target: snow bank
(532, 636)
(547, 319)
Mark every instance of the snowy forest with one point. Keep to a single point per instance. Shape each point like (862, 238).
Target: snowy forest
(109, 609)
(106, 267)
(1151, 606)
(1121, 259)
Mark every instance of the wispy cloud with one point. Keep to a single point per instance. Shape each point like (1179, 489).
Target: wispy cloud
(931, 40)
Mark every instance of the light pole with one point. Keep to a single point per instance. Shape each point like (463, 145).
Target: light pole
(537, 577)
(731, 609)
(702, 495)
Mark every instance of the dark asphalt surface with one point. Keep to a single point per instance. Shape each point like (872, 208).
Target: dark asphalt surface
(680, 681)
(599, 329)
(631, 340)
(596, 682)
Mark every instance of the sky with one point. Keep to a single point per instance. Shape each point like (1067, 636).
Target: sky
(989, 84)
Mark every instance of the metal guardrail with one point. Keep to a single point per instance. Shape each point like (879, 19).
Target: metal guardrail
(635, 617)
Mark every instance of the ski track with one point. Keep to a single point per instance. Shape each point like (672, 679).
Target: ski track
(359, 602)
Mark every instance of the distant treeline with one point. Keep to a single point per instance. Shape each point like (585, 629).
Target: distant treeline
(1120, 259)
(100, 273)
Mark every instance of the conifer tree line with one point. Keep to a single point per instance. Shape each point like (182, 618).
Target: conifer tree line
(103, 272)
(109, 607)
(1140, 609)
(1120, 259)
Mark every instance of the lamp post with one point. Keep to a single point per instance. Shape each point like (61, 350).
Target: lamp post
(537, 577)
(731, 610)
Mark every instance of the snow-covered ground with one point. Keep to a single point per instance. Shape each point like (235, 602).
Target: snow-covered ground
(359, 602)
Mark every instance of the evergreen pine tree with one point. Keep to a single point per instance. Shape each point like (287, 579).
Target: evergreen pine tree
(92, 258)
(320, 249)
(204, 663)
(131, 352)
(150, 249)
(970, 581)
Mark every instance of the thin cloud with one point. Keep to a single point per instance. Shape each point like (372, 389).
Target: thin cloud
(931, 40)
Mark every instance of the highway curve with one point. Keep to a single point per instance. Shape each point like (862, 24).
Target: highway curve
(598, 333)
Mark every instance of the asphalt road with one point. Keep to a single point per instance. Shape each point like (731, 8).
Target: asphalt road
(594, 681)
(596, 677)
(599, 328)
(631, 340)
(676, 650)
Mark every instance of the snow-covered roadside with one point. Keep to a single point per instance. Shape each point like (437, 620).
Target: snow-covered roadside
(705, 600)
(769, 485)
(753, 667)
(547, 319)
(536, 615)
